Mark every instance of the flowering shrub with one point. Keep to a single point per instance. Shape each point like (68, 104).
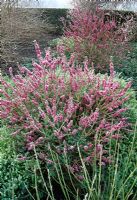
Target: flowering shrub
(94, 37)
(62, 105)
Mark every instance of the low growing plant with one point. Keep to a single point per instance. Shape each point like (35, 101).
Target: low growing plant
(62, 109)
(16, 176)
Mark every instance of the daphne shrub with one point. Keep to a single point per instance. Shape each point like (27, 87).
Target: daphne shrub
(94, 37)
(59, 106)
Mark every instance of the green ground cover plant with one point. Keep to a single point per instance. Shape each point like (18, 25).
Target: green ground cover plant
(16, 176)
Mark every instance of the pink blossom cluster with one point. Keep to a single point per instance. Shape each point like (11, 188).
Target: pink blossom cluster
(94, 37)
(64, 105)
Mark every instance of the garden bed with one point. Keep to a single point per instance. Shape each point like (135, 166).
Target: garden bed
(68, 127)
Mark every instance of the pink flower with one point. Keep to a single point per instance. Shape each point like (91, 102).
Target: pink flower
(101, 125)
(21, 158)
(88, 159)
(30, 146)
(56, 119)
(42, 156)
(60, 117)
(117, 127)
(48, 55)
(46, 87)
(72, 59)
(118, 112)
(39, 141)
(38, 51)
(87, 99)
(74, 132)
(94, 116)
(74, 85)
(16, 132)
(64, 129)
(85, 122)
(86, 148)
(60, 49)
(29, 138)
(59, 135)
(116, 136)
(71, 107)
(99, 147)
(70, 124)
(80, 177)
(106, 160)
(37, 66)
